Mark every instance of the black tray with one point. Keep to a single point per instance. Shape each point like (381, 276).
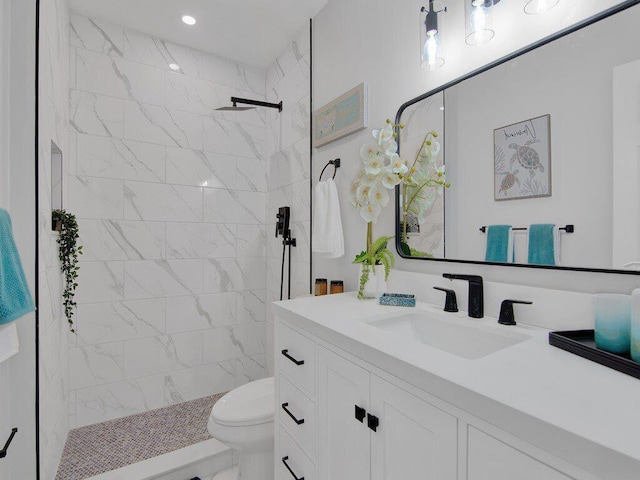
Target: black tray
(582, 343)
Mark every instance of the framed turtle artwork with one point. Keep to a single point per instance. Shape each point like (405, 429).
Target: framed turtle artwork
(522, 159)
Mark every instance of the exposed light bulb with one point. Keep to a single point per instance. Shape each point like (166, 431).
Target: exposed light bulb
(479, 18)
(480, 30)
(432, 51)
(536, 7)
(174, 66)
(189, 20)
(431, 54)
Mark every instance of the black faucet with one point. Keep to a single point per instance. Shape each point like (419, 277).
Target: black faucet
(476, 292)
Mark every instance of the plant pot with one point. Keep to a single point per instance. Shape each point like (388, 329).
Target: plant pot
(375, 284)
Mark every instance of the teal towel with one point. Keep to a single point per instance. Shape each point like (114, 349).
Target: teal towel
(499, 244)
(15, 297)
(543, 245)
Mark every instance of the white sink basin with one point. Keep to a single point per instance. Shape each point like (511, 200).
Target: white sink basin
(459, 336)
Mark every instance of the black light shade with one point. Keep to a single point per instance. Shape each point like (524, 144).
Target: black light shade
(432, 19)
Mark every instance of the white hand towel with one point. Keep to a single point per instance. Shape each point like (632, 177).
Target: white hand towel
(328, 239)
(9, 345)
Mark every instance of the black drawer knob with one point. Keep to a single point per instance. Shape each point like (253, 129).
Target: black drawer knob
(373, 422)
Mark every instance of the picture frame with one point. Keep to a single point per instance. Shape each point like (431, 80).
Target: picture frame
(522, 160)
(343, 116)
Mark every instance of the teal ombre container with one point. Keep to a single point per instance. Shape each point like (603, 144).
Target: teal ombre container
(635, 325)
(613, 323)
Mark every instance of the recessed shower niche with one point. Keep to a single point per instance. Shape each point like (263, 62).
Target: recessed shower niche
(56, 182)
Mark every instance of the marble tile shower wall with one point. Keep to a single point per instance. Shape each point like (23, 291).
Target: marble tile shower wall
(170, 196)
(53, 337)
(288, 168)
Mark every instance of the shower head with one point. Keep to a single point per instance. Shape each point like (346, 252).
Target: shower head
(256, 103)
(234, 108)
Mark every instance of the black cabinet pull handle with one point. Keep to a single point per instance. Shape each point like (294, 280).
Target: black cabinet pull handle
(3, 452)
(298, 422)
(297, 362)
(373, 422)
(284, 460)
(360, 414)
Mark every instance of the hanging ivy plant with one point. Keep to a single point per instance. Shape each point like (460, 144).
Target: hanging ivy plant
(69, 250)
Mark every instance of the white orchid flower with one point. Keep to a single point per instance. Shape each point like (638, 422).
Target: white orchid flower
(362, 194)
(398, 165)
(384, 135)
(367, 152)
(378, 196)
(391, 148)
(373, 166)
(370, 213)
(390, 179)
(431, 150)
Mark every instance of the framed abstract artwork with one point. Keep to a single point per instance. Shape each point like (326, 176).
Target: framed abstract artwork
(343, 116)
(522, 159)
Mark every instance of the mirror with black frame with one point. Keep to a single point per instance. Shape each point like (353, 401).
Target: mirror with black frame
(542, 157)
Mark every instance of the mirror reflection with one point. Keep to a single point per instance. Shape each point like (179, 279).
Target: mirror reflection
(541, 154)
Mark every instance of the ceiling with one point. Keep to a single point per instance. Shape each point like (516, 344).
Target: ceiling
(253, 32)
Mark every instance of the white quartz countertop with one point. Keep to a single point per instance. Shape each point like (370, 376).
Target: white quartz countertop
(531, 385)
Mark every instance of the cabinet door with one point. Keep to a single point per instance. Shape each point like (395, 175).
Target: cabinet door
(344, 445)
(490, 459)
(414, 440)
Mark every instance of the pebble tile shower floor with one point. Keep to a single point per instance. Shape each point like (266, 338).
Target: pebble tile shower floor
(107, 446)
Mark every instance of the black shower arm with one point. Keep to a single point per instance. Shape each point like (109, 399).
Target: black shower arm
(257, 103)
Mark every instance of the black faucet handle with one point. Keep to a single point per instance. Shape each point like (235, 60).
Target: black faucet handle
(451, 302)
(507, 317)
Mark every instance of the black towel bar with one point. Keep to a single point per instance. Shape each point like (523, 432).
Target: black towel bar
(567, 229)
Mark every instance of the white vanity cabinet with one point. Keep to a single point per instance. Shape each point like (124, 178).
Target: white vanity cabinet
(361, 424)
(371, 429)
(344, 440)
(491, 459)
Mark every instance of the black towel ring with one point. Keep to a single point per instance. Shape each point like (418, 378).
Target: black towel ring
(336, 166)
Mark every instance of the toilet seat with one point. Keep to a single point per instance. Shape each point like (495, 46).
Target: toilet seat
(250, 404)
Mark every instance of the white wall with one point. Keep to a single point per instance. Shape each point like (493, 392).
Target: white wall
(17, 173)
(288, 169)
(170, 196)
(378, 42)
(53, 125)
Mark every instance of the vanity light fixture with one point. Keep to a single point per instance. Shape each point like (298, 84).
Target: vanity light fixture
(432, 51)
(479, 14)
(189, 20)
(536, 7)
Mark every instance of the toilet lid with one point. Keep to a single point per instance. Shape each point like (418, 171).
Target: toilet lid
(251, 404)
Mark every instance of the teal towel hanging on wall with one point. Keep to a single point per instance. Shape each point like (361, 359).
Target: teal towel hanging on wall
(544, 245)
(499, 244)
(15, 297)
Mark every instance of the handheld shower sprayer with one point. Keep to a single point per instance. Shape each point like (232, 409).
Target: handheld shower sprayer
(282, 229)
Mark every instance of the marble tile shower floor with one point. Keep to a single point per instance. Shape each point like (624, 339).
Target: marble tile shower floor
(107, 446)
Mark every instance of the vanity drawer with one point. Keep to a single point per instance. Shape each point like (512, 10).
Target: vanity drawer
(298, 415)
(296, 358)
(290, 456)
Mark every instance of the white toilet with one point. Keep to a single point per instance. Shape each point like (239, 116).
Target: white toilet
(243, 420)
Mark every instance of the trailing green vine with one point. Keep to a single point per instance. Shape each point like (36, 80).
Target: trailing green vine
(364, 278)
(69, 250)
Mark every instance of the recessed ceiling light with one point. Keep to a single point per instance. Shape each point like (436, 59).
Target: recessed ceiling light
(174, 66)
(189, 20)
